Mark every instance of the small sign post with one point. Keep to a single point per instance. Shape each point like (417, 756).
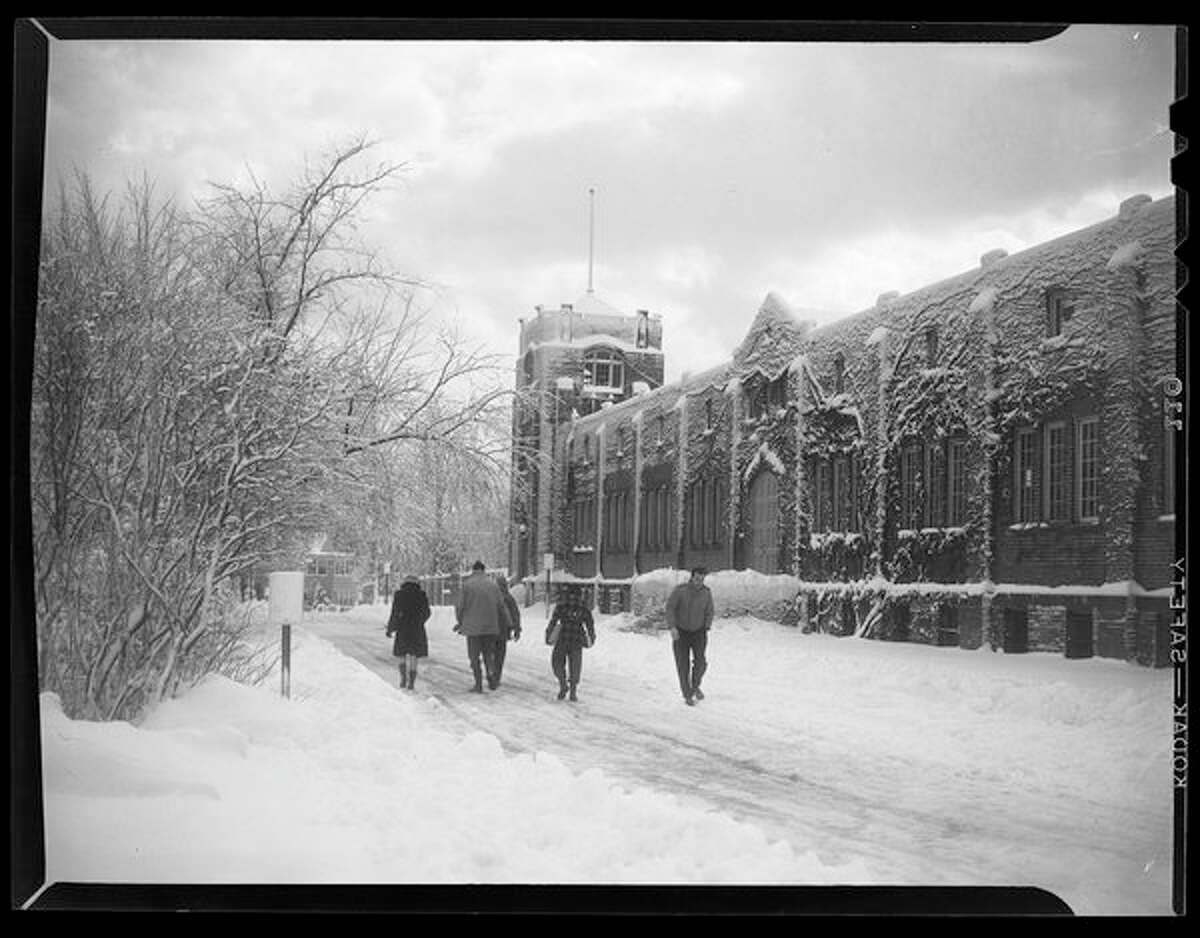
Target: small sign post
(286, 609)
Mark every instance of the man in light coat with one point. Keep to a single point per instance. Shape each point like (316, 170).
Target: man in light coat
(481, 616)
(689, 616)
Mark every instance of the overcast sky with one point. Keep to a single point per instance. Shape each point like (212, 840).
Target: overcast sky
(828, 173)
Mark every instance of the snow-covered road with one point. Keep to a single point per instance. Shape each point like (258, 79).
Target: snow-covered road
(932, 766)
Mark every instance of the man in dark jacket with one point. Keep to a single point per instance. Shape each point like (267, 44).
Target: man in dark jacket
(570, 630)
(514, 616)
(480, 616)
(689, 616)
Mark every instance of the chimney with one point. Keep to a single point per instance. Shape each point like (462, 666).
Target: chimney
(1132, 205)
(992, 257)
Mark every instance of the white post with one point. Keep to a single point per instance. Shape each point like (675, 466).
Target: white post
(286, 609)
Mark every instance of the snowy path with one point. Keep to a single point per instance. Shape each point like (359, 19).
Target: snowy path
(932, 766)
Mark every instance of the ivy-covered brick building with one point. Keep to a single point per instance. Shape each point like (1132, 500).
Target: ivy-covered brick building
(987, 460)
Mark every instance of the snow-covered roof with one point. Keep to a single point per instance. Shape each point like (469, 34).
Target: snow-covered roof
(773, 339)
(597, 338)
(591, 305)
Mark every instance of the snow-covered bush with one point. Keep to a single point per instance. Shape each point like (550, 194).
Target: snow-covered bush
(734, 592)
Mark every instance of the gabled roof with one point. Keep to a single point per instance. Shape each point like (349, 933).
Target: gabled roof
(773, 339)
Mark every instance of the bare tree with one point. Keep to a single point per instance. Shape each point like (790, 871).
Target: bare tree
(208, 388)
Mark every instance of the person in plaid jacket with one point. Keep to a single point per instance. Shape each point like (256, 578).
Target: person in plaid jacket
(570, 630)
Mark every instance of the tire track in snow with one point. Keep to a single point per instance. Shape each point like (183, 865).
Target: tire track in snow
(818, 792)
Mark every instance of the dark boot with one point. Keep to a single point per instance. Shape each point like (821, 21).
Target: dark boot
(478, 672)
(562, 690)
(403, 675)
(412, 677)
(573, 697)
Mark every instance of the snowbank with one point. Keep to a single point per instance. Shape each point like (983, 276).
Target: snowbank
(347, 782)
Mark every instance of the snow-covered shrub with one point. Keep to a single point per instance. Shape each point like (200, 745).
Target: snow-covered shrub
(734, 592)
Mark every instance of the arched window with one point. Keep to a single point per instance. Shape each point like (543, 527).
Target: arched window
(931, 346)
(604, 369)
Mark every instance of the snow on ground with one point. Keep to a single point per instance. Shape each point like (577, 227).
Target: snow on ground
(346, 782)
(909, 763)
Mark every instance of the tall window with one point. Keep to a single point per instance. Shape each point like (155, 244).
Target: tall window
(617, 521)
(585, 521)
(1058, 471)
(655, 531)
(956, 497)
(823, 507)
(712, 520)
(1059, 310)
(931, 346)
(839, 373)
(834, 505)
(935, 497)
(695, 516)
(1088, 476)
(910, 486)
(777, 392)
(844, 514)
(604, 369)
(1026, 476)
(708, 414)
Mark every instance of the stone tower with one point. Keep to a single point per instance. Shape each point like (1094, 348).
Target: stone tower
(572, 361)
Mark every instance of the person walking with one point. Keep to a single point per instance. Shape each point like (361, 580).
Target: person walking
(514, 617)
(689, 616)
(570, 630)
(481, 616)
(410, 612)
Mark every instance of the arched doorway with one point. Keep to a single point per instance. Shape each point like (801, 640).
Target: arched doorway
(762, 516)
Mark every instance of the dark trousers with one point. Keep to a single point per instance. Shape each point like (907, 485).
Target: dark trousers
(567, 659)
(482, 647)
(499, 650)
(690, 662)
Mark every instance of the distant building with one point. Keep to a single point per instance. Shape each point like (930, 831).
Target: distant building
(574, 361)
(989, 460)
(330, 579)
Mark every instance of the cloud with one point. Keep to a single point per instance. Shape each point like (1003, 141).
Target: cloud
(827, 172)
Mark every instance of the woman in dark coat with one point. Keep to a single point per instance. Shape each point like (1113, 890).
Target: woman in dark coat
(410, 611)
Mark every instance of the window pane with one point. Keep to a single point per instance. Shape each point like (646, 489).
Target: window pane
(957, 507)
(1089, 469)
(936, 496)
(1057, 472)
(824, 506)
(1026, 490)
(910, 484)
(841, 494)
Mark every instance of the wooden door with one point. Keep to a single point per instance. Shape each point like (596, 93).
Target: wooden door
(762, 538)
